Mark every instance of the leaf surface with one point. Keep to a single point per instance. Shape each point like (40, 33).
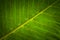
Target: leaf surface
(30, 20)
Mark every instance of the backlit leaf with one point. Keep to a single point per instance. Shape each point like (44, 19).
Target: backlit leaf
(29, 19)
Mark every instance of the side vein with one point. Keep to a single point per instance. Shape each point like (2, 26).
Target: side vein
(27, 22)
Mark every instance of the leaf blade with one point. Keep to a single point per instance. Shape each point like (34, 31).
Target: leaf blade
(27, 21)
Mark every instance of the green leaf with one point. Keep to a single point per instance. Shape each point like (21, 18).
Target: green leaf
(30, 20)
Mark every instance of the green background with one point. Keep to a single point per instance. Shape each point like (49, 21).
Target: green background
(14, 13)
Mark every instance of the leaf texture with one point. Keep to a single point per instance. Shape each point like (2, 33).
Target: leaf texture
(30, 20)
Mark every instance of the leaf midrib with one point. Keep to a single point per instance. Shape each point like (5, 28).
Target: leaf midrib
(27, 21)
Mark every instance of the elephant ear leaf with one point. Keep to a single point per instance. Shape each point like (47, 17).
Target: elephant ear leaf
(30, 20)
